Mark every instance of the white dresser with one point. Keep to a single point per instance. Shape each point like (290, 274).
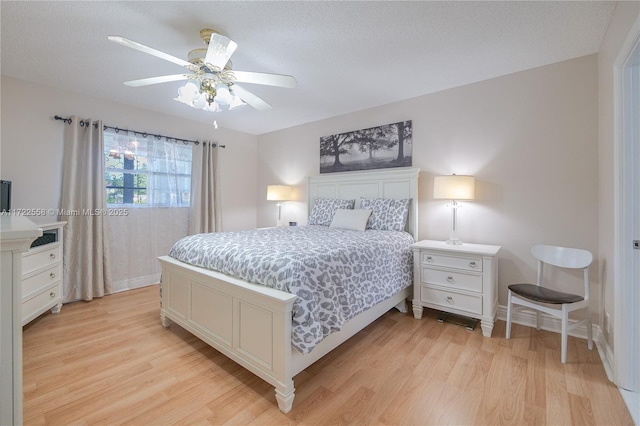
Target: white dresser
(42, 273)
(460, 279)
(16, 234)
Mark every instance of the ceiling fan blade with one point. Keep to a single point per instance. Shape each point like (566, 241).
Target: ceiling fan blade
(156, 80)
(250, 98)
(220, 50)
(277, 80)
(142, 48)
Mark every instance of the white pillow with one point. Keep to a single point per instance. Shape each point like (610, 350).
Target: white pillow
(354, 220)
(324, 208)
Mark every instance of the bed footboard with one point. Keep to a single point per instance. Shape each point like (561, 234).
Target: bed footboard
(250, 324)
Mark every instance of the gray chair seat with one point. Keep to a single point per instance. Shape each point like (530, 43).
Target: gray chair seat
(543, 294)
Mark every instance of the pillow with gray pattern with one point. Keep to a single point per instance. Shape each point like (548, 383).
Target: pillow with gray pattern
(324, 208)
(387, 214)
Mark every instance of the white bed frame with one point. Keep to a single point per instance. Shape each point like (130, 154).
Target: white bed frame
(250, 323)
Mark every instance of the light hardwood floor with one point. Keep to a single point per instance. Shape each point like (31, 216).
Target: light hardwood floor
(109, 361)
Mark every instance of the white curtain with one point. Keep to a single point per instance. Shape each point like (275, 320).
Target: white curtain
(204, 214)
(139, 238)
(86, 259)
(150, 228)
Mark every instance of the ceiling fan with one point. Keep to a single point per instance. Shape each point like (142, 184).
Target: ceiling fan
(211, 83)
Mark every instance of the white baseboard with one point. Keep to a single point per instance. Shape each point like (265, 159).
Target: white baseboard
(139, 282)
(549, 323)
(606, 353)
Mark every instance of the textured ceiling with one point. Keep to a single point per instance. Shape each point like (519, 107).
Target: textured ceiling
(346, 56)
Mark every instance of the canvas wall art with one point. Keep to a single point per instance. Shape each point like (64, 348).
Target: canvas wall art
(378, 147)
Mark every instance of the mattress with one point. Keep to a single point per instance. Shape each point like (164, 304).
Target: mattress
(335, 273)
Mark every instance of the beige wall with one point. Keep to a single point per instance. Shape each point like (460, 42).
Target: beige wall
(530, 139)
(625, 14)
(31, 150)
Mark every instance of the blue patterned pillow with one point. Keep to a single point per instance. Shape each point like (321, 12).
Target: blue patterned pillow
(324, 209)
(387, 214)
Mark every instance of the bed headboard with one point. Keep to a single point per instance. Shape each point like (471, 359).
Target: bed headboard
(398, 183)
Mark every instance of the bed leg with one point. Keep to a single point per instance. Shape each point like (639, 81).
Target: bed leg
(166, 322)
(284, 396)
(402, 306)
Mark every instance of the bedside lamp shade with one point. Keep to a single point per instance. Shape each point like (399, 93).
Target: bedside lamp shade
(454, 188)
(278, 193)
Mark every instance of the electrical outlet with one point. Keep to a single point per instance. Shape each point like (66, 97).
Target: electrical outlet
(607, 322)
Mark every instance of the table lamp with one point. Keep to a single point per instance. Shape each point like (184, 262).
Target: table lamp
(279, 193)
(454, 188)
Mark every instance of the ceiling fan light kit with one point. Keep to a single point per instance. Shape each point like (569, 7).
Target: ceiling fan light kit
(211, 83)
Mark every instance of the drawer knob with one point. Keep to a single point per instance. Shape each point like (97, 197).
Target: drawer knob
(429, 259)
(450, 299)
(52, 275)
(52, 255)
(52, 295)
(473, 264)
(450, 278)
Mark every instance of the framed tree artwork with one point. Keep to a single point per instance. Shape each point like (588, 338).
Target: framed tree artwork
(378, 147)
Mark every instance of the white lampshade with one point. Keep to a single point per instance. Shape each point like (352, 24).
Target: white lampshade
(454, 187)
(223, 96)
(279, 192)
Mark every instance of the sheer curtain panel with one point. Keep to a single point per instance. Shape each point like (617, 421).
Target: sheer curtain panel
(86, 259)
(149, 181)
(204, 215)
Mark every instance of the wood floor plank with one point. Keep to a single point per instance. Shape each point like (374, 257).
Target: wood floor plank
(110, 362)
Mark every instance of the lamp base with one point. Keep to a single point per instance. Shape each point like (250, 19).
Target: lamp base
(454, 242)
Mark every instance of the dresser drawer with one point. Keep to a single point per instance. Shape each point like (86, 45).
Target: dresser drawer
(37, 282)
(41, 258)
(451, 300)
(39, 303)
(458, 280)
(469, 263)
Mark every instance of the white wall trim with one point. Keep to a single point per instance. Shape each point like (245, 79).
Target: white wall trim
(134, 283)
(528, 317)
(626, 372)
(606, 353)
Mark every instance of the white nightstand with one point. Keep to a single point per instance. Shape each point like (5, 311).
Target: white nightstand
(460, 279)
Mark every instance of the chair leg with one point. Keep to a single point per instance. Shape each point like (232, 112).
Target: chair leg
(509, 315)
(589, 331)
(565, 323)
(537, 320)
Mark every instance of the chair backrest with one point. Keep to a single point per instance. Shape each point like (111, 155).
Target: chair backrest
(563, 257)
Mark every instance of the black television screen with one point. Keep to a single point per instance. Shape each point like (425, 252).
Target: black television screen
(5, 195)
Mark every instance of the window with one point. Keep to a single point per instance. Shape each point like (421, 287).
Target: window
(146, 172)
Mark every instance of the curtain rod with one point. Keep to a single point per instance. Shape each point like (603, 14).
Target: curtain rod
(67, 120)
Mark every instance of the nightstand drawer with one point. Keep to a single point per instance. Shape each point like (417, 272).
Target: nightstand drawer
(452, 300)
(468, 263)
(457, 280)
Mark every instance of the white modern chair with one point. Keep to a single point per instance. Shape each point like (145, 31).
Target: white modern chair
(552, 302)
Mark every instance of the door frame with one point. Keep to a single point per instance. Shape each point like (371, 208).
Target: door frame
(626, 199)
